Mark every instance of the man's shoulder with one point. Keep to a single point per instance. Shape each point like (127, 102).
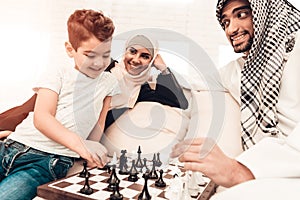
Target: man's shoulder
(235, 64)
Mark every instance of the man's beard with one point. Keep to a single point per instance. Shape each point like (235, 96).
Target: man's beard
(245, 48)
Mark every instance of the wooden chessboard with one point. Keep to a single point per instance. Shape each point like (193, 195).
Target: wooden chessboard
(68, 188)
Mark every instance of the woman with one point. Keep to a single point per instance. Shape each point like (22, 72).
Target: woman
(151, 110)
(136, 82)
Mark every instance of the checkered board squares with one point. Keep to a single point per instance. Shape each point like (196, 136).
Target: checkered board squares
(129, 190)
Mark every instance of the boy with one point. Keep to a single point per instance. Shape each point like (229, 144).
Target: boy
(71, 106)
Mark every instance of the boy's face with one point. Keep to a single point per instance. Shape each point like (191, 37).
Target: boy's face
(237, 21)
(92, 56)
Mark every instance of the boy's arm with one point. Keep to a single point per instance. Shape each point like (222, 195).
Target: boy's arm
(4, 134)
(46, 123)
(97, 131)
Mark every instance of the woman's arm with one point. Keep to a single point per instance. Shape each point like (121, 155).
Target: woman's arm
(169, 88)
(167, 91)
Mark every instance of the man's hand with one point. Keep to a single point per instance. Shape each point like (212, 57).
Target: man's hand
(204, 155)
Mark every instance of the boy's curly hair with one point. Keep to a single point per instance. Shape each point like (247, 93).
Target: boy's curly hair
(83, 24)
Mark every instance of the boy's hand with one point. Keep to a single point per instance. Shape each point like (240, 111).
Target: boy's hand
(96, 153)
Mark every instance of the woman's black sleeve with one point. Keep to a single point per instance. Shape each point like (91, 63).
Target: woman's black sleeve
(167, 92)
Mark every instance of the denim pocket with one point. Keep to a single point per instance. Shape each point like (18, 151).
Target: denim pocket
(59, 166)
(10, 151)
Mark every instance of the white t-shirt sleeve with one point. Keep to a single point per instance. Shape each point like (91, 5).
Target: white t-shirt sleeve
(113, 85)
(51, 79)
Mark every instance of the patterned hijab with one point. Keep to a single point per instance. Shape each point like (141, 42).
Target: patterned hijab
(275, 23)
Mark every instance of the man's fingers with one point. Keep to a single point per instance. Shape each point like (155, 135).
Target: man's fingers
(184, 149)
(189, 157)
(194, 166)
(186, 144)
(190, 142)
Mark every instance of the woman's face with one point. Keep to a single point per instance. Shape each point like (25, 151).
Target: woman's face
(136, 59)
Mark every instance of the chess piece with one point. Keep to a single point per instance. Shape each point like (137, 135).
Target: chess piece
(192, 184)
(175, 189)
(113, 180)
(109, 172)
(158, 162)
(160, 182)
(185, 193)
(133, 173)
(153, 173)
(114, 160)
(154, 159)
(83, 173)
(123, 164)
(199, 178)
(139, 163)
(86, 188)
(146, 169)
(116, 195)
(144, 195)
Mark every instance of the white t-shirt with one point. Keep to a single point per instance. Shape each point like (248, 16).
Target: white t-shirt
(80, 101)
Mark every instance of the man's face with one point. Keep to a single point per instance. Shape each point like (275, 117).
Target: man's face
(236, 19)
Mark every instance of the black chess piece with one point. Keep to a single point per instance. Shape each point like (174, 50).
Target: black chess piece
(158, 162)
(145, 165)
(109, 172)
(144, 195)
(139, 163)
(123, 163)
(153, 173)
(83, 173)
(113, 180)
(116, 195)
(86, 188)
(160, 182)
(133, 173)
(154, 159)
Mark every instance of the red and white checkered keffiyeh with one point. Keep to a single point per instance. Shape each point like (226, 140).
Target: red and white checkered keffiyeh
(275, 23)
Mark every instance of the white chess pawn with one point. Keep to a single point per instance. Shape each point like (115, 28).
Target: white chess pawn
(114, 159)
(199, 178)
(185, 193)
(174, 191)
(193, 184)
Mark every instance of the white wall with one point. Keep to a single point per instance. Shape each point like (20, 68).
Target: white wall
(32, 33)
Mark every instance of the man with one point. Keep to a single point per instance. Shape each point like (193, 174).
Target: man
(264, 82)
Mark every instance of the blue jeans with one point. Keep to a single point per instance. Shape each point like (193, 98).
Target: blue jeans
(23, 169)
